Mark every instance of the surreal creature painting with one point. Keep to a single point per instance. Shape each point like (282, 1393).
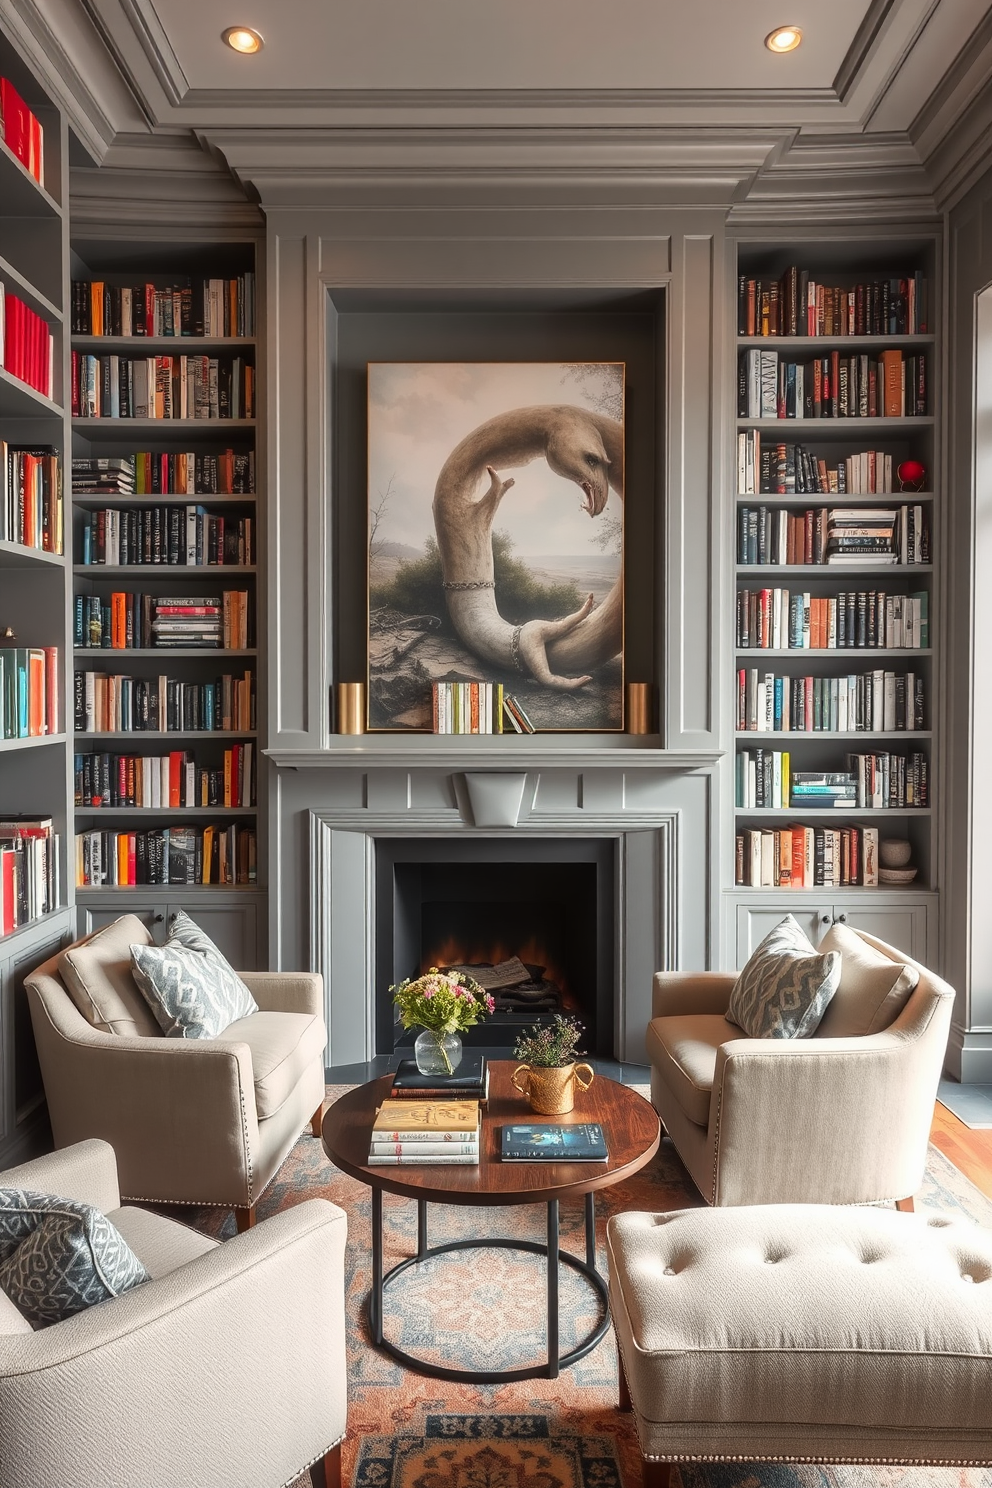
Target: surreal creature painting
(496, 538)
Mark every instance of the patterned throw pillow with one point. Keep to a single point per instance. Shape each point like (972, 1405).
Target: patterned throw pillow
(784, 989)
(58, 1256)
(188, 984)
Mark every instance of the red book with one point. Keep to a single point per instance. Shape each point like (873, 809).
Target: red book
(177, 766)
(8, 859)
(16, 121)
(51, 689)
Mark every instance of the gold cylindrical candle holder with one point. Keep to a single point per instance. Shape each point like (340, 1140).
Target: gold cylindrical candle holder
(350, 697)
(639, 708)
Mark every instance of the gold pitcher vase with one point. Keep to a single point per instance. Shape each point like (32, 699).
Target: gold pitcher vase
(551, 1088)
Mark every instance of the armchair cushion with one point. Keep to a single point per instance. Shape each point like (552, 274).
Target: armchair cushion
(283, 1046)
(58, 1256)
(873, 988)
(188, 984)
(162, 1245)
(785, 987)
(97, 975)
(684, 1046)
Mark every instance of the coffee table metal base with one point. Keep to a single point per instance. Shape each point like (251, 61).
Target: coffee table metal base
(556, 1257)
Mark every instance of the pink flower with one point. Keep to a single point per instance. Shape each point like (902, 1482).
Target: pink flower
(458, 993)
(428, 991)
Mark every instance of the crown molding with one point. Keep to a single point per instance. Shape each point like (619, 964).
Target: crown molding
(148, 182)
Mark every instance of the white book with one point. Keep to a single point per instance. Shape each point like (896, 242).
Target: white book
(767, 850)
(889, 704)
(753, 858)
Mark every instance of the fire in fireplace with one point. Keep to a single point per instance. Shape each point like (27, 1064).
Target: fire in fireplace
(532, 920)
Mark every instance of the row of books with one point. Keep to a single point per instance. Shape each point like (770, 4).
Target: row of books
(806, 857)
(158, 473)
(22, 131)
(184, 535)
(29, 691)
(173, 780)
(162, 387)
(797, 304)
(833, 535)
(870, 702)
(768, 468)
(116, 704)
(167, 855)
(31, 496)
(29, 870)
(788, 620)
(127, 621)
(889, 385)
(467, 707)
(765, 780)
(27, 346)
(189, 306)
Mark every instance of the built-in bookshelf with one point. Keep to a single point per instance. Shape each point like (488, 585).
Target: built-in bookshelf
(165, 563)
(835, 483)
(36, 889)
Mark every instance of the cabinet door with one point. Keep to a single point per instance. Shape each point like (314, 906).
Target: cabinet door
(903, 926)
(24, 1094)
(90, 917)
(231, 927)
(755, 921)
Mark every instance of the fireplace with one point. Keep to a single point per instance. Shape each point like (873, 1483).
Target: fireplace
(535, 915)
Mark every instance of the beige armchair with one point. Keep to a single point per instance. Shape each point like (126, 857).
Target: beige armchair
(227, 1368)
(840, 1118)
(192, 1121)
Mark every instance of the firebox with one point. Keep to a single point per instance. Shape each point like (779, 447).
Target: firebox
(532, 919)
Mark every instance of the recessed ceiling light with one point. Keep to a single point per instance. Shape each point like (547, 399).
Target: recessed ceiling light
(242, 39)
(783, 39)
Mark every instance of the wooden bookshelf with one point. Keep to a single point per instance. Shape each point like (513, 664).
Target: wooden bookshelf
(903, 915)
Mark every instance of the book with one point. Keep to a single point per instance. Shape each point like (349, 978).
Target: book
(399, 1117)
(471, 1078)
(418, 1149)
(409, 1159)
(583, 1142)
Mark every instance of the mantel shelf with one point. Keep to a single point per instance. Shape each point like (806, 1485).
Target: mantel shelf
(500, 752)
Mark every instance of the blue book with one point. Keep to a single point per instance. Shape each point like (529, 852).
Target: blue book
(583, 1142)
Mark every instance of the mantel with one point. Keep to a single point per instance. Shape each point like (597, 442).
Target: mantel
(544, 751)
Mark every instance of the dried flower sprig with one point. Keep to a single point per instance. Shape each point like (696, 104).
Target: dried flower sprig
(551, 1044)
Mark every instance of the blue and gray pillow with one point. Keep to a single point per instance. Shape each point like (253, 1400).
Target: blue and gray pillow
(785, 987)
(188, 984)
(58, 1256)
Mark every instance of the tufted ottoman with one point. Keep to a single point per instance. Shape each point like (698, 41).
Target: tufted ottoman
(802, 1332)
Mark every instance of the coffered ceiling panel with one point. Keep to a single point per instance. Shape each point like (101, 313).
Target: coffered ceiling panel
(508, 44)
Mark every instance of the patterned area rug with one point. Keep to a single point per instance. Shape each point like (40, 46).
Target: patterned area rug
(486, 1309)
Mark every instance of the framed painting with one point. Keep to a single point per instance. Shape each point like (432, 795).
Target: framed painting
(495, 538)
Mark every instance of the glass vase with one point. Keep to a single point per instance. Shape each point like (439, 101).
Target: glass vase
(437, 1053)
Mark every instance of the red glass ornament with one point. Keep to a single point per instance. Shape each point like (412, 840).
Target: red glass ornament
(912, 475)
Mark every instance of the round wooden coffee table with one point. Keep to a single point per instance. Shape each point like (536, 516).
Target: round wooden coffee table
(632, 1133)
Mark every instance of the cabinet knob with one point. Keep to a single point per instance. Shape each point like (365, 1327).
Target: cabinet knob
(157, 919)
(825, 920)
(842, 919)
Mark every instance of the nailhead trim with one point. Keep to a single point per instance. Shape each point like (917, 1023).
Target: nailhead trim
(308, 1465)
(840, 1461)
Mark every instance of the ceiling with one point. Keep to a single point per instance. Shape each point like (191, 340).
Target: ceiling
(889, 101)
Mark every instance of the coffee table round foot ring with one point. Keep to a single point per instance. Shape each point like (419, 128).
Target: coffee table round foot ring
(548, 1370)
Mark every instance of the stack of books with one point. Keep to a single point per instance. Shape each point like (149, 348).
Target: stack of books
(103, 476)
(442, 1131)
(470, 1081)
(823, 788)
(866, 535)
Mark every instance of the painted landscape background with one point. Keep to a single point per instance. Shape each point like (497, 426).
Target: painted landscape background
(549, 554)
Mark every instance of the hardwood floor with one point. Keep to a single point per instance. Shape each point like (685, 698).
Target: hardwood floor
(970, 1151)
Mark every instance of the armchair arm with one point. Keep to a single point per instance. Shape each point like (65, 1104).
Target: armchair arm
(154, 1100)
(685, 992)
(824, 1120)
(229, 1371)
(86, 1171)
(286, 991)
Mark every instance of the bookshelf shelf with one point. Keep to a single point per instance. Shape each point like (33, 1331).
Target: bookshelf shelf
(180, 570)
(832, 343)
(37, 301)
(823, 570)
(844, 267)
(38, 741)
(174, 262)
(20, 192)
(16, 555)
(17, 400)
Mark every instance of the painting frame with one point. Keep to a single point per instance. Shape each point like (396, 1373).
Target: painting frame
(466, 581)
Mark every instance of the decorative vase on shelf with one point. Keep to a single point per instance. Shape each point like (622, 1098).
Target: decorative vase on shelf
(437, 1053)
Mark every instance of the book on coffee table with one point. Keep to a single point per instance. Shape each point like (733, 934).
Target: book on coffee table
(470, 1081)
(583, 1142)
(421, 1131)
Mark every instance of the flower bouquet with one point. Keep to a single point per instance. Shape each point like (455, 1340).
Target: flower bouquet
(443, 1004)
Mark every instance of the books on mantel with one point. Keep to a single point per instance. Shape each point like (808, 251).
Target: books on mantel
(425, 1132)
(583, 1142)
(470, 1081)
